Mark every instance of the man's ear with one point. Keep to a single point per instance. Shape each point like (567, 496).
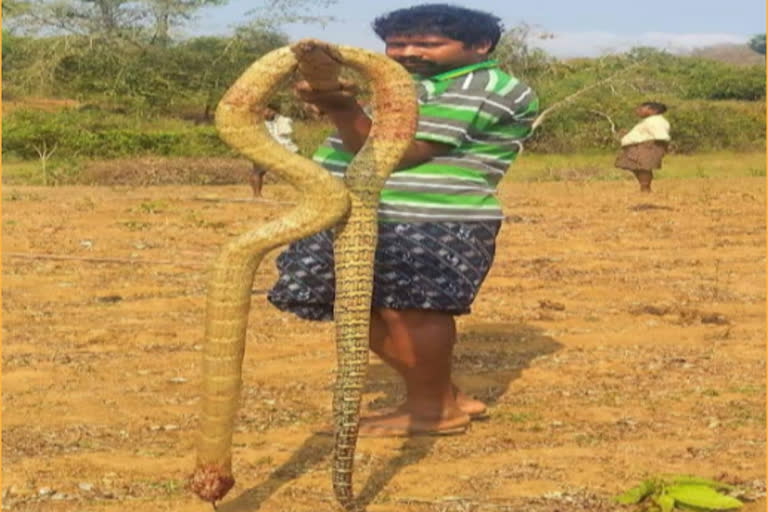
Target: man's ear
(483, 47)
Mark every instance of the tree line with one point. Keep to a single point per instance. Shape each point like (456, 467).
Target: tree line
(127, 63)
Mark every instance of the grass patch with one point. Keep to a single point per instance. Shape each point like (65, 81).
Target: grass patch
(599, 166)
(22, 172)
(530, 167)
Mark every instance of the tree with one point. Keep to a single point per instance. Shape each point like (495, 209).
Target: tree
(122, 52)
(271, 14)
(516, 54)
(107, 19)
(140, 22)
(757, 43)
(171, 13)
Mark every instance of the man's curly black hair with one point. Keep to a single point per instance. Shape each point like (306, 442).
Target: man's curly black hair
(659, 108)
(466, 25)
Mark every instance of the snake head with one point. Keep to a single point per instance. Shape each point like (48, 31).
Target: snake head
(311, 49)
(211, 482)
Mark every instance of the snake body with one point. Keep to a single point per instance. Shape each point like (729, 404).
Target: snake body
(325, 202)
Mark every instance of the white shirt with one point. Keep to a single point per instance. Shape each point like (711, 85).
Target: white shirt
(281, 129)
(650, 128)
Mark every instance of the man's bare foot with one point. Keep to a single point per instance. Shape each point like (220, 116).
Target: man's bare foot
(402, 422)
(474, 408)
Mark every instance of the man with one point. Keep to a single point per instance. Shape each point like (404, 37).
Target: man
(644, 146)
(438, 216)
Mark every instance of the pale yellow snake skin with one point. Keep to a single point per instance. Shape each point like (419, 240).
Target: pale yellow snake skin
(325, 202)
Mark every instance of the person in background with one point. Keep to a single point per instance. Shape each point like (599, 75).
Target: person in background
(280, 128)
(644, 146)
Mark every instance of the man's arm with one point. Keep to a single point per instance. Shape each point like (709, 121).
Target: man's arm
(354, 125)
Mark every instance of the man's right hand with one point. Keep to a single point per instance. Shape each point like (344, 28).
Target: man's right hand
(333, 100)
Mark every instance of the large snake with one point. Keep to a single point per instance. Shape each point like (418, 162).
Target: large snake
(325, 202)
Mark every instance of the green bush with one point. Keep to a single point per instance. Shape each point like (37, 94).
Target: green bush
(700, 95)
(712, 105)
(650, 72)
(696, 125)
(94, 135)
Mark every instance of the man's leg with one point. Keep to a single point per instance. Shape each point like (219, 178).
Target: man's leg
(419, 346)
(383, 346)
(256, 179)
(644, 178)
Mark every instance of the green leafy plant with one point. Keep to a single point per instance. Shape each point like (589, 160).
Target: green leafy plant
(666, 493)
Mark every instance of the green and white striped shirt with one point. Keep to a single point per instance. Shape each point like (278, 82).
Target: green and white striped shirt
(485, 115)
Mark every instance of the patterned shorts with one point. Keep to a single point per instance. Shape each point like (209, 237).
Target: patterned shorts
(434, 266)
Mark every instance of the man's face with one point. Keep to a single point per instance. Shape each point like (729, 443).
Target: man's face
(430, 54)
(644, 111)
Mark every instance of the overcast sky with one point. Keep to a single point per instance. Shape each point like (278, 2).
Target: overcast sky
(581, 27)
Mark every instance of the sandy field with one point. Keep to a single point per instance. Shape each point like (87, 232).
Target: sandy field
(618, 336)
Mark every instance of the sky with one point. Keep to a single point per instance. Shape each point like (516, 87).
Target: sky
(581, 28)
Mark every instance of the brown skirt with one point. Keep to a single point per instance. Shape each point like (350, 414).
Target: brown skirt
(644, 156)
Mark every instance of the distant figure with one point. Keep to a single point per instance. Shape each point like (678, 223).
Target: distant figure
(645, 145)
(281, 129)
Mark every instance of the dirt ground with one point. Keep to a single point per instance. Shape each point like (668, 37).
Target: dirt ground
(618, 336)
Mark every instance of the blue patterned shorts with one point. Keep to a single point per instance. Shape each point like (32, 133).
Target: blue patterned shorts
(434, 266)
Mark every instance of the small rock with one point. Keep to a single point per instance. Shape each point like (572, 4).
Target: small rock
(713, 424)
(155, 428)
(85, 486)
(109, 299)
(714, 318)
(45, 491)
(86, 244)
(177, 380)
(170, 426)
(626, 422)
(550, 304)
(143, 372)
(556, 424)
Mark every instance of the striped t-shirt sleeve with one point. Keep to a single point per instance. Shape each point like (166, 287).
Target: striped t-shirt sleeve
(445, 114)
(475, 104)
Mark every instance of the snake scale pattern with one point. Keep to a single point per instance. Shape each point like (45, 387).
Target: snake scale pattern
(325, 202)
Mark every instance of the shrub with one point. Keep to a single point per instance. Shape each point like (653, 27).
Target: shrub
(94, 135)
